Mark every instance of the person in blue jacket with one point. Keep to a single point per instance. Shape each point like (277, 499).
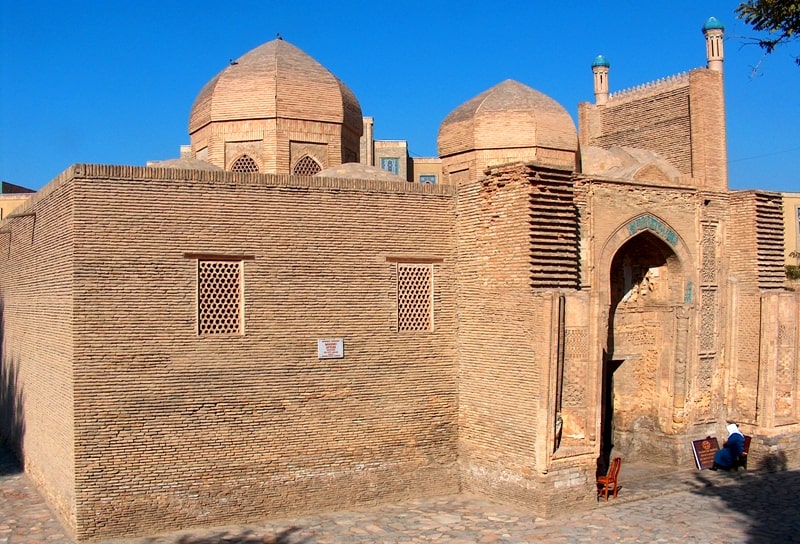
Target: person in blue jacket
(727, 457)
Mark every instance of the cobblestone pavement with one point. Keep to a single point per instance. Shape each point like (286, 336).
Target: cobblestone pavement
(654, 505)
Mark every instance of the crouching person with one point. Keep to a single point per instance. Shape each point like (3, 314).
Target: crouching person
(727, 457)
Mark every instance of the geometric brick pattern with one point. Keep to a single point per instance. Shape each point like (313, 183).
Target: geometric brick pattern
(553, 231)
(244, 163)
(705, 373)
(306, 167)
(576, 352)
(414, 297)
(219, 302)
(576, 343)
(785, 371)
(709, 254)
(708, 317)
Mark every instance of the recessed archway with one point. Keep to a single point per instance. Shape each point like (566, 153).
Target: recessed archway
(645, 282)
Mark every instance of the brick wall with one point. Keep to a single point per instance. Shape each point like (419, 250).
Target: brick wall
(682, 118)
(660, 123)
(269, 141)
(506, 344)
(36, 299)
(709, 139)
(143, 425)
(174, 429)
(500, 359)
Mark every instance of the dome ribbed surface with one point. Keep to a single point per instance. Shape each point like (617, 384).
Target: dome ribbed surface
(273, 80)
(509, 115)
(627, 163)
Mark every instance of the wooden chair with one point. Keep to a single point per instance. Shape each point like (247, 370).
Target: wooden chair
(608, 483)
(741, 461)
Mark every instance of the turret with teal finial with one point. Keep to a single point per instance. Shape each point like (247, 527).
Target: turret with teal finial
(600, 68)
(713, 30)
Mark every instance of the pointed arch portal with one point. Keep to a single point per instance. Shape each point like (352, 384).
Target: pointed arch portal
(644, 358)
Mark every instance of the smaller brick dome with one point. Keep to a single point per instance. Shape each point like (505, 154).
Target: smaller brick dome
(510, 115)
(627, 163)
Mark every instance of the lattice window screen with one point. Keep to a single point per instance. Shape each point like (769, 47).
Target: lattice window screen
(414, 297)
(307, 166)
(219, 297)
(245, 163)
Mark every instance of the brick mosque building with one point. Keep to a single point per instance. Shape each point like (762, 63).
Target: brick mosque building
(268, 326)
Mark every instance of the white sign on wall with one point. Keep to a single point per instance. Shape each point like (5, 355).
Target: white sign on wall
(330, 349)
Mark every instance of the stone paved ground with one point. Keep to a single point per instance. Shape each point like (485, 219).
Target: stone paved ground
(653, 506)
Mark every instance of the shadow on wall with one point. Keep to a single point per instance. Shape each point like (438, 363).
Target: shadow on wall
(767, 499)
(12, 422)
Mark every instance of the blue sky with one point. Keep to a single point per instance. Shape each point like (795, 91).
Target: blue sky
(113, 82)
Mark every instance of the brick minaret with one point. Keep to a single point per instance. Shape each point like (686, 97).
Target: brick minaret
(713, 31)
(600, 68)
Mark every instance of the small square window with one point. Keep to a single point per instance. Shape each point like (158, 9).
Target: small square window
(219, 297)
(390, 164)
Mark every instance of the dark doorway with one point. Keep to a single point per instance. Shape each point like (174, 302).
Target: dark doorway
(607, 416)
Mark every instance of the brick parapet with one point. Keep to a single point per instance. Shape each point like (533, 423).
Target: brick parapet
(648, 90)
(151, 175)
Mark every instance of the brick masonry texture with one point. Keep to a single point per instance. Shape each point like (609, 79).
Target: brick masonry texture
(134, 423)
(681, 118)
(173, 428)
(38, 343)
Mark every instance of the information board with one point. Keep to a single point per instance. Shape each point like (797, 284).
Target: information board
(330, 348)
(704, 451)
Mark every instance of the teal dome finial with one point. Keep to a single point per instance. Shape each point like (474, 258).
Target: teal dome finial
(713, 24)
(600, 60)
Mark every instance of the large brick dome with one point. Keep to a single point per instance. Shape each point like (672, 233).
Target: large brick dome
(275, 110)
(276, 79)
(510, 115)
